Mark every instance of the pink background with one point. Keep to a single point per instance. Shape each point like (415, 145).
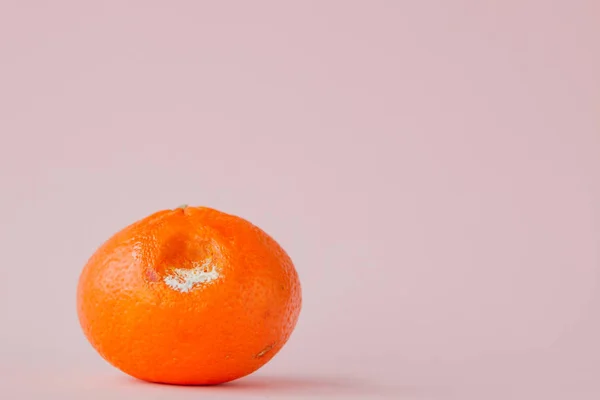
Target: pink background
(432, 167)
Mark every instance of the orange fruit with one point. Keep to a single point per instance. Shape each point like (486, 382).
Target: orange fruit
(189, 296)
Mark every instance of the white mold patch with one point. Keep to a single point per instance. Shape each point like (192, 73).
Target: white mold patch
(184, 280)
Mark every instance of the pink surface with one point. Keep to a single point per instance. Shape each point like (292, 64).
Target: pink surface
(433, 169)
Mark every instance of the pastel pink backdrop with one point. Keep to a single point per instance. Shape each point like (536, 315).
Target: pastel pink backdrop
(432, 167)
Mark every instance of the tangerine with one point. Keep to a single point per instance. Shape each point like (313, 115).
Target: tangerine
(190, 296)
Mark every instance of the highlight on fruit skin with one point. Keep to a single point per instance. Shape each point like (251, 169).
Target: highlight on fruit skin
(189, 296)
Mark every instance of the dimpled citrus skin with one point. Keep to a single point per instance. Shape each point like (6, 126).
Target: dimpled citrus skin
(139, 312)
